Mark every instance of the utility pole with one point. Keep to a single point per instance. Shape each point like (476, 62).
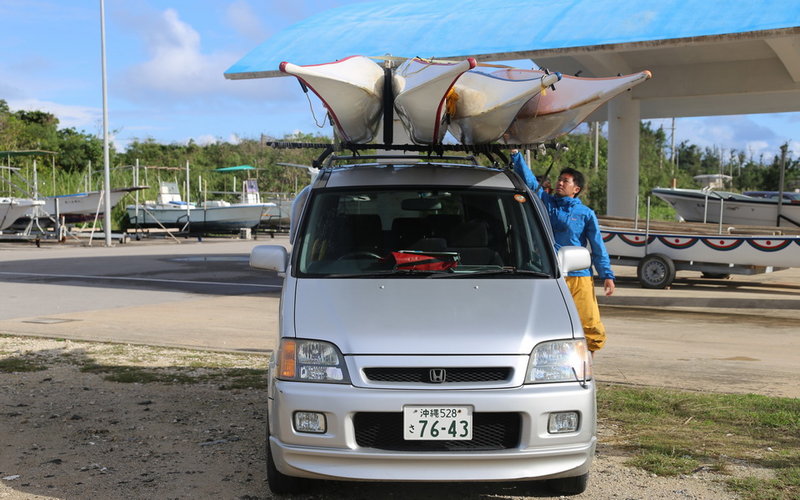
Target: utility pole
(672, 159)
(106, 161)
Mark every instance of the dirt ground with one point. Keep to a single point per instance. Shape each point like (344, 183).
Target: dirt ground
(72, 434)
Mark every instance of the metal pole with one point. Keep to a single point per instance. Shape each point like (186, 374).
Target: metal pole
(136, 193)
(188, 209)
(106, 167)
(780, 183)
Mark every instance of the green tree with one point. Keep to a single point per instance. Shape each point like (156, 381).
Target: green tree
(76, 149)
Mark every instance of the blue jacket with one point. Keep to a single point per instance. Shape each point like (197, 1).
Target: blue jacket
(573, 222)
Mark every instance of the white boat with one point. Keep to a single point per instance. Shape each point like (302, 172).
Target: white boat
(79, 207)
(658, 249)
(486, 104)
(699, 205)
(777, 251)
(169, 211)
(556, 112)
(421, 89)
(12, 209)
(274, 212)
(351, 89)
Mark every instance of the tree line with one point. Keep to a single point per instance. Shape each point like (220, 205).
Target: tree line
(77, 161)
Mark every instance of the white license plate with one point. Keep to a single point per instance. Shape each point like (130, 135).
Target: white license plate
(433, 423)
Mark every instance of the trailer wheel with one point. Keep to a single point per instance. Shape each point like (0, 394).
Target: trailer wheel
(655, 271)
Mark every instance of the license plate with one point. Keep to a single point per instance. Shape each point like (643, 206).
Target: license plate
(437, 423)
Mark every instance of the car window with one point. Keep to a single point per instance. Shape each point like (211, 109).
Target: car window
(356, 232)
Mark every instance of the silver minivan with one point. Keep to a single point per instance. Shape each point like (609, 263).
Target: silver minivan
(426, 333)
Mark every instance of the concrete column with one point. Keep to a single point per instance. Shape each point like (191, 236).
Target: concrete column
(623, 155)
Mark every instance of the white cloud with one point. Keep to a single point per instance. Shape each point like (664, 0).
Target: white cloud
(794, 149)
(80, 117)
(178, 73)
(175, 66)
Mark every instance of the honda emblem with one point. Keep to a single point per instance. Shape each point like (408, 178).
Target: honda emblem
(437, 375)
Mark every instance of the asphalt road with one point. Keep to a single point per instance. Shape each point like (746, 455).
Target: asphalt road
(736, 335)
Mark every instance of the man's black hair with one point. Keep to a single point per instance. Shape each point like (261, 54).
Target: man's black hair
(577, 178)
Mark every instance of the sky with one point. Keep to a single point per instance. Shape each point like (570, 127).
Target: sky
(165, 61)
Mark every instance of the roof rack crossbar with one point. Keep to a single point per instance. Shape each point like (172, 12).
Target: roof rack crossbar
(489, 150)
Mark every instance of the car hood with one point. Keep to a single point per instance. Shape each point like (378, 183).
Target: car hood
(432, 316)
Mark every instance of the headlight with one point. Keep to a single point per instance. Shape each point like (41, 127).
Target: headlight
(311, 361)
(559, 361)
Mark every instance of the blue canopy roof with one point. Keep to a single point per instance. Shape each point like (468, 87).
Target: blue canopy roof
(502, 29)
(235, 169)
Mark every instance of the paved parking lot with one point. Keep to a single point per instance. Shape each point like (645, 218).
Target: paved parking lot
(736, 335)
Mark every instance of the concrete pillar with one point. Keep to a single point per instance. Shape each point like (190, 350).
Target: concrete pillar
(623, 155)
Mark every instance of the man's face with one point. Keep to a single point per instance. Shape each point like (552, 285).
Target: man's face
(565, 186)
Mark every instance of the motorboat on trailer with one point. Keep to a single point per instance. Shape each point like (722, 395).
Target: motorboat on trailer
(658, 249)
(551, 114)
(80, 207)
(169, 211)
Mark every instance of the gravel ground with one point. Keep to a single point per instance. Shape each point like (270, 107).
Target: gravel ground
(71, 434)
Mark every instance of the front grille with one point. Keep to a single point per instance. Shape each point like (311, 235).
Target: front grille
(490, 431)
(453, 375)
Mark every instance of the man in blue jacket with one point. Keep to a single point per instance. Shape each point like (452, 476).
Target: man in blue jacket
(575, 224)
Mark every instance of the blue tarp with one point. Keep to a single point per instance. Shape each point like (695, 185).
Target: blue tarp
(503, 28)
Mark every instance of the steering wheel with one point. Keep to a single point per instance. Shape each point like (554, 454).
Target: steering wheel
(359, 255)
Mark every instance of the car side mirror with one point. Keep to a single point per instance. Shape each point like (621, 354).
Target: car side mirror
(270, 258)
(573, 258)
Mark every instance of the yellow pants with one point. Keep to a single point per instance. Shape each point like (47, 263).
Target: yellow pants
(582, 290)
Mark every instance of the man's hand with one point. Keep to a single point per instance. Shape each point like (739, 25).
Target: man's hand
(608, 287)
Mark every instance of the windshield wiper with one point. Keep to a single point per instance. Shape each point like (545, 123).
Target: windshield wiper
(388, 273)
(506, 271)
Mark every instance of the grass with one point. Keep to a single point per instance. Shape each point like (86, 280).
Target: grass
(227, 378)
(20, 364)
(666, 432)
(671, 433)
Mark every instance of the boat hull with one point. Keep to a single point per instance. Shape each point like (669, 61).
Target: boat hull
(486, 105)
(12, 209)
(556, 112)
(763, 251)
(695, 206)
(229, 219)
(420, 89)
(351, 90)
(80, 207)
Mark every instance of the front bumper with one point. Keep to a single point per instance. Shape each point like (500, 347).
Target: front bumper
(337, 455)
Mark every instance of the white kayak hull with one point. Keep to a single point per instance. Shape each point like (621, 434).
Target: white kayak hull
(486, 104)
(420, 90)
(351, 89)
(553, 113)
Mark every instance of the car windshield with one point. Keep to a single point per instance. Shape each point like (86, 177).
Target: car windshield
(437, 233)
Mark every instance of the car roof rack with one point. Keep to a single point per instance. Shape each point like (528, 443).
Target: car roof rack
(495, 153)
